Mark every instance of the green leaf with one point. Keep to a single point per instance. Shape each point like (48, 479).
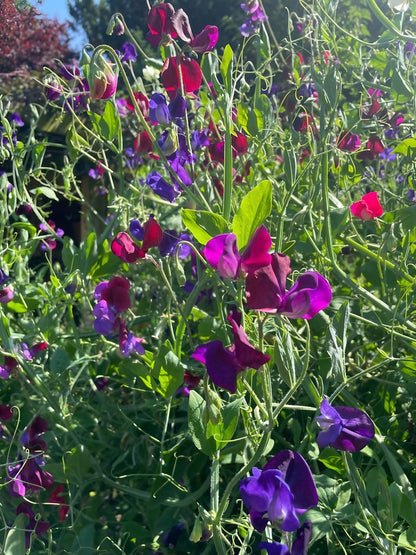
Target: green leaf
(28, 227)
(59, 361)
(19, 308)
(203, 225)
(196, 426)
(15, 539)
(405, 147)
(226, 66)
(401, 86)
(338, 217)
(46, 192)
(109, 123)
(168, 370)
(407, 217)
(254, 209)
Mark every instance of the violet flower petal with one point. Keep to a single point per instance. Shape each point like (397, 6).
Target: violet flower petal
(222, 365)
(357, 429)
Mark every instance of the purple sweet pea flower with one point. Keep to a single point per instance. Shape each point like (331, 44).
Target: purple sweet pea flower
(53, 90)
(161, 187)
(224, 364)
(158, 109)
(266, 290)
(299, 546)
(129, 52)
(222, 254)
(387, 155)
(128, 343)
(113, 297)
(17, 119)
(3, 277)
(344, 428)
(282, 490)
(169, 241)
(39, 527)
(6, 295)
(136, 229)
(177, 107)
(199, 139)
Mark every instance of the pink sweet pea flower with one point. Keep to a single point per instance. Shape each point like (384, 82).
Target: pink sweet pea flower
(206, 40)
(348, 142)
(368, 208)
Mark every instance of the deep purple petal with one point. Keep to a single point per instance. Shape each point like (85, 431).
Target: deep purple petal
(256, 254)
(136, 229)
(222, 254)
(274, 548)
(357, 429)
(222, 365)
(303, 537)
(263, 291)
(258, 491)
(161, 187)
(298, 476)
(330, 423)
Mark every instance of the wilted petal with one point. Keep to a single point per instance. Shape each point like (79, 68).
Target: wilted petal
(221, 364)
(180, 22)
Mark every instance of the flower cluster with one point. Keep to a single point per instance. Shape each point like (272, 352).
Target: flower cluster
(113, 299)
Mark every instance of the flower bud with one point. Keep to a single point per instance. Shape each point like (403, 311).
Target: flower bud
(102, 80)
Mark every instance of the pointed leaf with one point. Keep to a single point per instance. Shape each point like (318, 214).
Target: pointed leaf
(254, 209)
(204, 225)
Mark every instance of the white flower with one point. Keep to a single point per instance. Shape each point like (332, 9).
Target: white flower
(150, 73)
(399, 5)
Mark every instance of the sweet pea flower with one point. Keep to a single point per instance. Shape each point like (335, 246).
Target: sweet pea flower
(222, 254)
(266, 290)
(128, 343)
(161, 187)
(171, 79)
(299, 546)
(39, 527)
(113, 298)
(280, 492)
(57, 497)
(159, 21)
(344, 428)
(125, 248)
(374, 147)
(158, 109)
(6, 295)
(349, 142)
(129, 52)
(368, 208)
(206, 40)
(9, 364)
(224, 364)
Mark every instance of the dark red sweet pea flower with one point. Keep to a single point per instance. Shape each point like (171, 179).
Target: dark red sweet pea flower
(160, 24)
(344, 428)
(58, 497)
(348, 142)
(191, 75)
(224, 364)
(153, 234)
(368, 207)
(374, 147)
(266, 290)
(142, 102)
(206, 40)
(222, 254)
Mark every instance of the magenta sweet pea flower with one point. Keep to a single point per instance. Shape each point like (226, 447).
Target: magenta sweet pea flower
(344, 428)
(368, 207)
(280, 492)
(266, 290)
(6, 295)
(224, 364)
(206, 40)
(222, 254)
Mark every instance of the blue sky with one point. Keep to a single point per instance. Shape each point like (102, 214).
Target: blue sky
(59, 9)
